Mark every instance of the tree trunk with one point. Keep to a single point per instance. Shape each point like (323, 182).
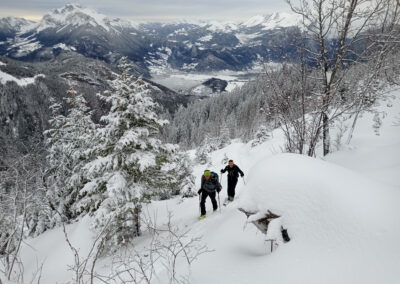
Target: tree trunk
(136, 217)
(325, 133)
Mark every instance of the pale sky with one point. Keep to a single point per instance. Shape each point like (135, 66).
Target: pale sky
(154, 10)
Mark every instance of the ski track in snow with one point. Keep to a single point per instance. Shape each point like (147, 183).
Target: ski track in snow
(341, 213)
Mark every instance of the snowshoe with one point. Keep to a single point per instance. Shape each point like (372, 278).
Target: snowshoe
(202, 217)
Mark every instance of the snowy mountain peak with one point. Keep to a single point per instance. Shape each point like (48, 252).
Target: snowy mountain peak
(74, 10)
(74, 15)
(273, 20)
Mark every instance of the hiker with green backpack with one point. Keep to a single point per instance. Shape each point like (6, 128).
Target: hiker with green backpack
(210, 186)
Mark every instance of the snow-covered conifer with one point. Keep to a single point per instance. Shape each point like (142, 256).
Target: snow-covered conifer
(79, 131)
(69, 139)
(209, 144)
(128, 161)
(58, 156)
(260, 136)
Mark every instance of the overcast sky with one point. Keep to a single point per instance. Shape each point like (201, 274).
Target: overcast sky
(160, 10)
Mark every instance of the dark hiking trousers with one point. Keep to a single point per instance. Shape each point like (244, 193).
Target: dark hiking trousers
(232, 181)
(204, 195)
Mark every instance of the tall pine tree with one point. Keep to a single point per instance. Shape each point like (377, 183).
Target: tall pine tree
(58, 159)
(68, 141)
(129, 163)
(79, 131)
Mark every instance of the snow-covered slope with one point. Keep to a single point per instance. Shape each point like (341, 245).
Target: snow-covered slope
(5, 77)
(342, 224)
(375, 153)
(341, 213)
(10, 26)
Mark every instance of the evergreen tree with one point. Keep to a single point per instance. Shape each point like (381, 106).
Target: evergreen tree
(58, 158)
(79, 131)
(260, 136)
(185, 176)
(224, 137)
(128, 161)
(203, 152)
(68, 141)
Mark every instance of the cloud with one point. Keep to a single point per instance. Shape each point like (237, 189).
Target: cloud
(155, 10)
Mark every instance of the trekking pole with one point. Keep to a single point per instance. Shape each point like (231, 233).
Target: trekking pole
(219, 204)
(244, 181)
(219, 201)
(200, 203)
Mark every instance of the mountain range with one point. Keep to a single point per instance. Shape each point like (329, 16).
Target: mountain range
(183, 45)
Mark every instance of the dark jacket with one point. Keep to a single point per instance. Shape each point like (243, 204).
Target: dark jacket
(233, 172)
(210, 185)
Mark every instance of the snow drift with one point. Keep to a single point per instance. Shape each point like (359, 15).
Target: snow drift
(344, 228)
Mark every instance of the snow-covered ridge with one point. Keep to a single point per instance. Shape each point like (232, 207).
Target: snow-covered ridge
(13, 22)
(272, 21)
(5, 77)
(269, 21)
(76, 15)
(215, 26)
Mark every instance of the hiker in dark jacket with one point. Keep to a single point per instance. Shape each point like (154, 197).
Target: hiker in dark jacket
(209, 187)
(233, 174)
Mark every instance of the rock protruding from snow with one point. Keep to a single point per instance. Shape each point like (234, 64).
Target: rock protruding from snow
(269, 224)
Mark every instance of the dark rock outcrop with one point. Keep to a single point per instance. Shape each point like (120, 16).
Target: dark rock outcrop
(216, 85)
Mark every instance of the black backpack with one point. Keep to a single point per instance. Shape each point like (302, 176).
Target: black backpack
(214, 177)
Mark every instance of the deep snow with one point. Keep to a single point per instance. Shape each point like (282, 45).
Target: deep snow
(341, 212)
